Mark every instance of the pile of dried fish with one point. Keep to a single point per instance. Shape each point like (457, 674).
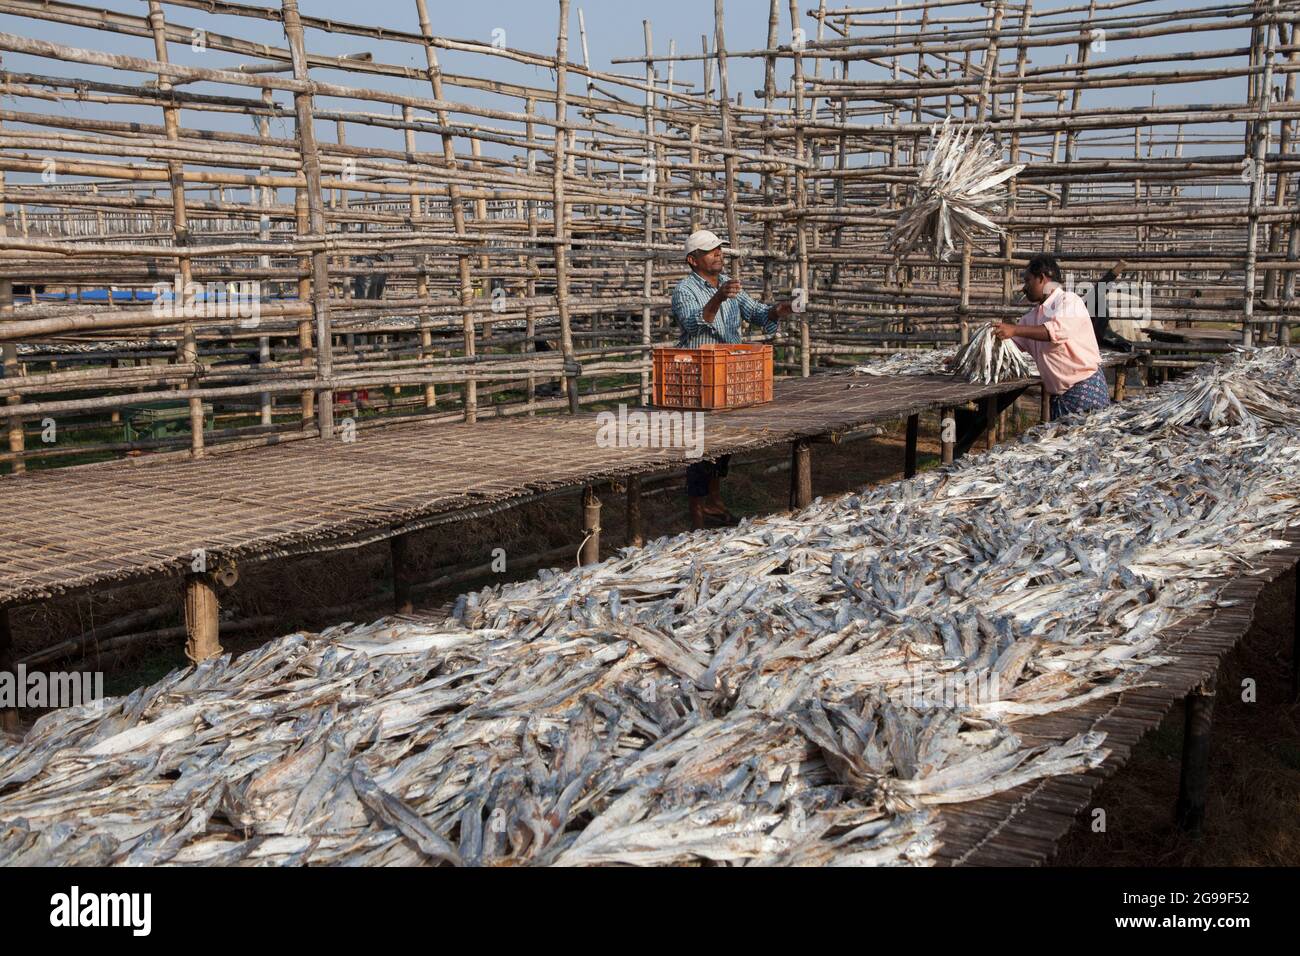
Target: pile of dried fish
(988, 360)
(909, 362)
(1232, 391)
(952, 193)
(802, 689)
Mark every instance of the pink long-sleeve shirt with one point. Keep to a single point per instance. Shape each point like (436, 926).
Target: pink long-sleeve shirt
(1072, 354)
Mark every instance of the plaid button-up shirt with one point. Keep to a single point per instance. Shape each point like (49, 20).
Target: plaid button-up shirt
(690, 297)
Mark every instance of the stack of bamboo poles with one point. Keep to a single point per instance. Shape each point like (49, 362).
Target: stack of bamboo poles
(528, 236)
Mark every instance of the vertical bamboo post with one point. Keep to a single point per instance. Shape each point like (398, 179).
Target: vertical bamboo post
(1259, 132)
(202, 618)
(963, 286)
(728, 160)
(652, 180)
(635, 535)
(457, 211)
(189, 352)
(266, 404)
(530, 284)
(800, 474)
(12, 370)
(8, 715)
(1076, 101)
(947, 426)
(696, 184)
(561, 206)
(1008, 238)
(769, 96)
(400, 550)
(1295, 637)
(1282, 178)
(320, 284)
(422, 279)
(800, 201)
(909, 449)
(481, 214)
(306, 349)
(1193, 783)
(9, 351)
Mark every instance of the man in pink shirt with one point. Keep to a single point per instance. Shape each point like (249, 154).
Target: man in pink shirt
(1057, 332)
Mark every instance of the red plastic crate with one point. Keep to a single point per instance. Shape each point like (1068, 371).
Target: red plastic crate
(713, 376)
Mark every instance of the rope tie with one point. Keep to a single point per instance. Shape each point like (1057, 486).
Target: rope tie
(577, 558)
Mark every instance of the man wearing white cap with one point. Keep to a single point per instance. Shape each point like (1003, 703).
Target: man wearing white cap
(709, 305)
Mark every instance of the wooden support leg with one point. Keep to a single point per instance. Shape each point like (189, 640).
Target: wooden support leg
(909, 452)
(400, 546)
(202, 621)
(947, 434)
(990, 408)
(1295, 642)
(1194, 782)
(1044, 404)
(800, 473)
(635, 536)
(590, 551)
(8, 715)
(1121, 373)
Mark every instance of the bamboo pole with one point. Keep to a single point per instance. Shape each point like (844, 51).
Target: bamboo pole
(202, 618)
(801, 195)
(560, 207)
(1258, 133)
(320, 284)
(188, 354)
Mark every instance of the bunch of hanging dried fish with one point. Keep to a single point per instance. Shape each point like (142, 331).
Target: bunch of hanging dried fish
(804, 689)
(953, 193)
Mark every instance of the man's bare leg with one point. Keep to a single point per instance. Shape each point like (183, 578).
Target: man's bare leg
(697, 511)
(713, 503)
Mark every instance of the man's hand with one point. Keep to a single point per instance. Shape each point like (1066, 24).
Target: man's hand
(1004, 330)
(728, 290)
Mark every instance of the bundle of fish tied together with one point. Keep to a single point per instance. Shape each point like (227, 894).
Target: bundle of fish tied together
(804, 689)
(984, 360)
(956, 188)
(988, 360)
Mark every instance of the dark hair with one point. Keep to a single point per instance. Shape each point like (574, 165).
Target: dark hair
(1043, 264)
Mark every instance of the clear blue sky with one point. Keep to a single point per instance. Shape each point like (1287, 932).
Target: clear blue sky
(613, 28)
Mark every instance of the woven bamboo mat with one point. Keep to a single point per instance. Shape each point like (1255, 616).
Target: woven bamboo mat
(1022, 826)
(72, 528)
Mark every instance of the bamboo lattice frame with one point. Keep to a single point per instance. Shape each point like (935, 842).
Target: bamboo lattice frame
(455, 193)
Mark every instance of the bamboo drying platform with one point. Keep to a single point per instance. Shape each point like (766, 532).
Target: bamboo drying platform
(74, 528)
(1022, 826)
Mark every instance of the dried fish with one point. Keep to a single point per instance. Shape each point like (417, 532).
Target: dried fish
(803, 689)
(955, 192)
(984, 360)
(1235, 390)
(988, 360)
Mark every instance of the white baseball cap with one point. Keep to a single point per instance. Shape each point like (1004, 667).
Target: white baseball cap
(702, 241)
